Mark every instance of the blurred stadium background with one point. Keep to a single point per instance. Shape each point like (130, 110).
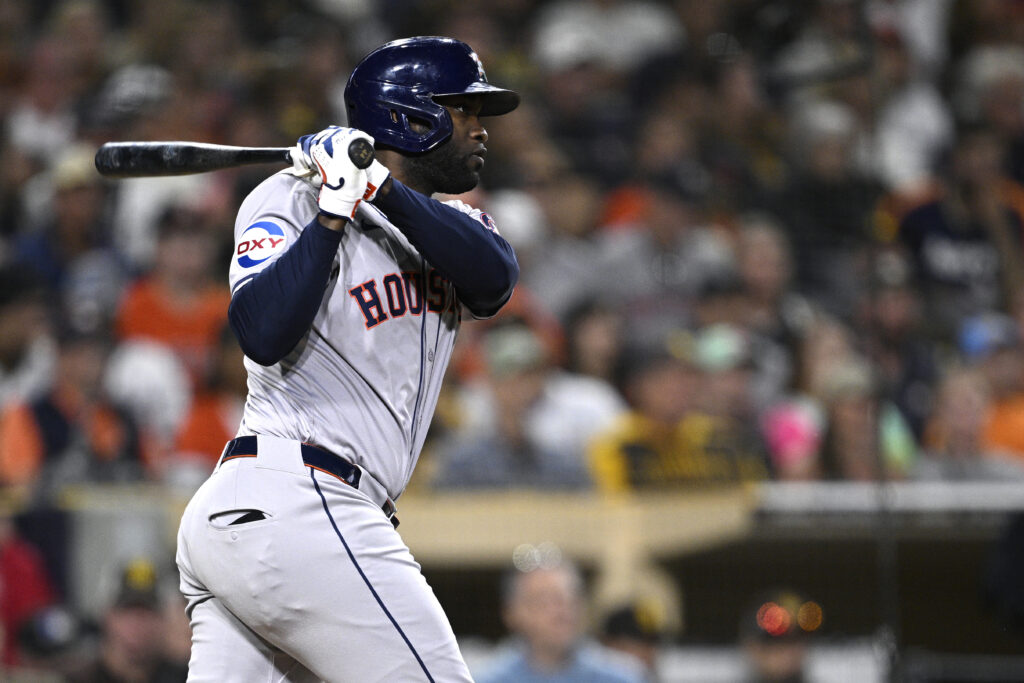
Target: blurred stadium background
(768, 335)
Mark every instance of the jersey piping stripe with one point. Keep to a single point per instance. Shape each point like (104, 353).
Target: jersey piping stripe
(238, 285)
(423, 343)
(366, 580)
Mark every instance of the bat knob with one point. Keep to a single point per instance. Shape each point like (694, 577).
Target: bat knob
(360, 152)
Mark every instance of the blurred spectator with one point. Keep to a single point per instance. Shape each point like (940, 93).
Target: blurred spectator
(637, 630)
(563, 270)
(159, 404)
(40, 120)
(176, 639)
(71, 249)
(27, 354)
(953, 448)
(178, 303)
(585, 52)
(923, 26)
(866, 438)
(50, 643)
(73, 433)
(528, 423)
(655, 268)
(835, 423)
(894, 339)
(740, 136)
(132, 633)
(912, 123)
(543, 608)
(644, 448)
(618, 35)
(666, 440)
(595, 336)
(216, 410)
(989, 92)
(764, 260)
(965, 245)
(992, 344)
(722, 427)
(828, 205)
(774, 633)
(25, 587)
(775, 315)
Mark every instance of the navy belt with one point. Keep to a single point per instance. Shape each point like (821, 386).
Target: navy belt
(315, 457)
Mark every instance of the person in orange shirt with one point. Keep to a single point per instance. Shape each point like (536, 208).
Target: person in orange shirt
(992, 343)
(178, 303)
(216, 408)
(74, 433)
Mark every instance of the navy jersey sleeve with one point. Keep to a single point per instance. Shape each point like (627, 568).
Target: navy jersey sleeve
(473, 256)
(272, 310)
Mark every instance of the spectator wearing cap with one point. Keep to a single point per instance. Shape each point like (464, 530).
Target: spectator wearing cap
(132, 628)
(636, 629)
(721, 429)
(71, 249)
(527, 423)
(543, 609)
(775, 630)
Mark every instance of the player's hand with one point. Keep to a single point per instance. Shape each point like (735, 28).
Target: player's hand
(343, 185)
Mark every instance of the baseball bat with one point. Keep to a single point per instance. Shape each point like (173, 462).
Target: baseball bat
(142, 159)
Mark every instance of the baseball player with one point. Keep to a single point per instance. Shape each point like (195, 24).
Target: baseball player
(348, 288)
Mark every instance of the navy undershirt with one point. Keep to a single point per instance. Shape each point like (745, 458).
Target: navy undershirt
(275, 308)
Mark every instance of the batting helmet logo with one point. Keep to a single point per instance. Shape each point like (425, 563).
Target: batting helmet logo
(398, 83)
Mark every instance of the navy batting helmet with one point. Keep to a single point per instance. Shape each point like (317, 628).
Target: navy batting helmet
(399, 81)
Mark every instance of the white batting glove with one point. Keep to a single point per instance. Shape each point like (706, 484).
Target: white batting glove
(376, 175)
(302, 163)
(343, 185)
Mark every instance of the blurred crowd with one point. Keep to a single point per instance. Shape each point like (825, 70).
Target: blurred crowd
(759, 239)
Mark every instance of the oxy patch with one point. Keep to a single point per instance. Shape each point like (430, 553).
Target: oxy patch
(259, 242)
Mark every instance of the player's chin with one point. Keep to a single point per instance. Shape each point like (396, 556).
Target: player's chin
(464, 183)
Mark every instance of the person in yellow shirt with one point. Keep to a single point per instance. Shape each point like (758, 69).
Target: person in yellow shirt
(678, 431)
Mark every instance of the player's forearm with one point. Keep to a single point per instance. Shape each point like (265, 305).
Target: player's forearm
(479, 262)
(271, 313)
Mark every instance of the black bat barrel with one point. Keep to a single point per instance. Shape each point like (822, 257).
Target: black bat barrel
(131, 159)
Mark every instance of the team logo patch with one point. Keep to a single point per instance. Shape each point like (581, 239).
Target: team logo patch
(259, 242)
(488, 222)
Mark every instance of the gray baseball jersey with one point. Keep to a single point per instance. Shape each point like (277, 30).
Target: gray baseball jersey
(347, 387)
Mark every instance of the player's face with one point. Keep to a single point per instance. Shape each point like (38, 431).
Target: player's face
(454, 166)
